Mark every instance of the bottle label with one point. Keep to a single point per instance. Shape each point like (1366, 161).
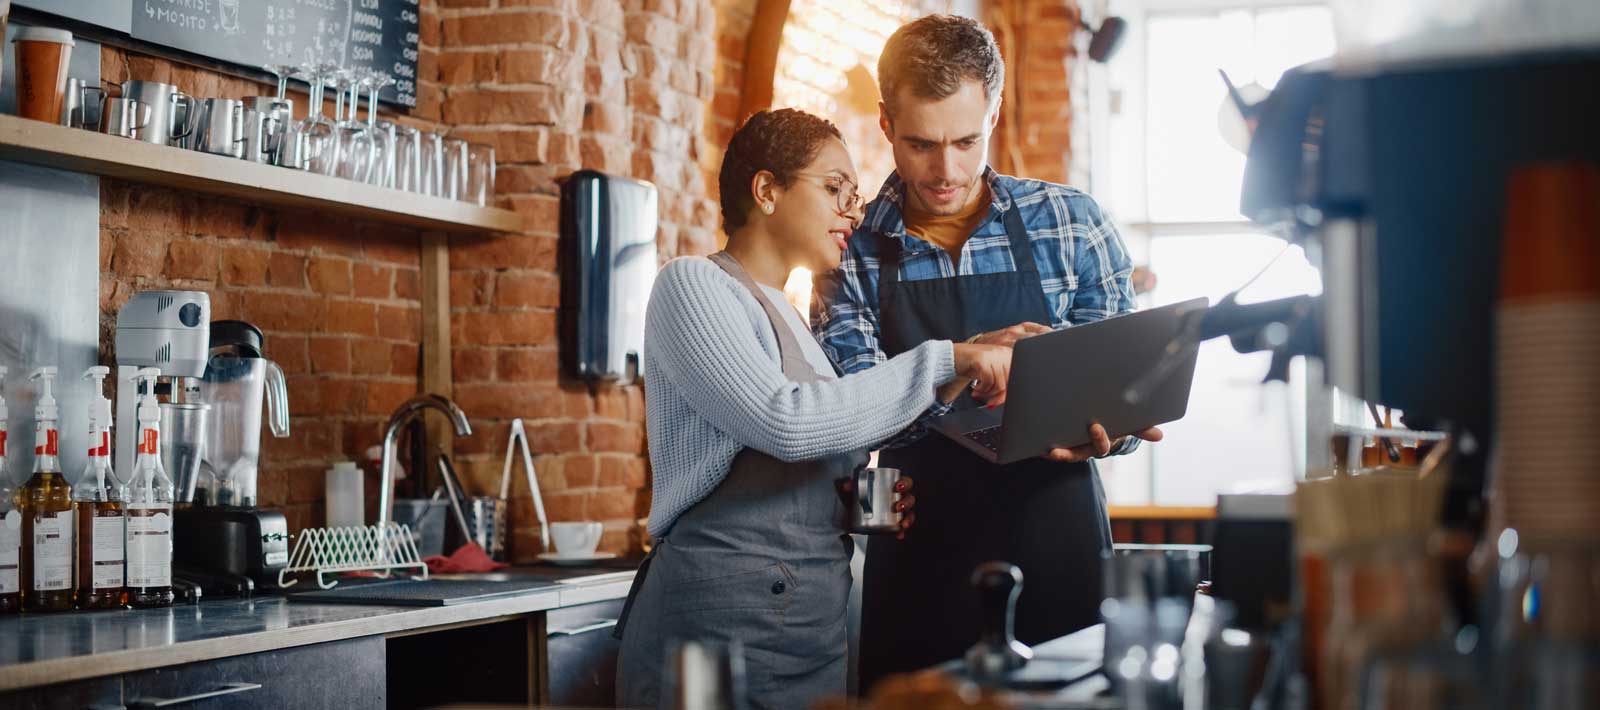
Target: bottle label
(109, 542)
(10, 551)
(2, 443)
(149, 440)
(47, 443)
(52, 551)
(103, 449)
(149, 545)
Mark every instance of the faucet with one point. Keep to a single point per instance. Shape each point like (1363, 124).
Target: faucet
(402, 416)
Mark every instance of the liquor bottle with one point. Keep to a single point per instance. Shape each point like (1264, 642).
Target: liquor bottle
(149, 506)
(46, 510)
(98, 507)
(10, 522)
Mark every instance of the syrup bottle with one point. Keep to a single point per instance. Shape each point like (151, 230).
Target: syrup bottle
(149, 506)
(98, 507)
(46, 511)
(10, 522)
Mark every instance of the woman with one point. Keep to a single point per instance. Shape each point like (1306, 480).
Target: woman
(750, 426)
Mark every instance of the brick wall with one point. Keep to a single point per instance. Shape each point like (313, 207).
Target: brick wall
(338, 300)
(557, 85)
(1038, 40)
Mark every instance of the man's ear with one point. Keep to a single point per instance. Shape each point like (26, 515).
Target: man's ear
(994, 114)
(884, 123)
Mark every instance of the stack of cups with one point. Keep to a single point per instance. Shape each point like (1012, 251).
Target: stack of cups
(42, 56)
(1547, 389)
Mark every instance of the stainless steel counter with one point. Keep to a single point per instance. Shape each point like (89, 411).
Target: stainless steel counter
(40, 649)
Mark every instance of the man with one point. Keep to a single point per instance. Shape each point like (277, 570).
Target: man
(952, 250)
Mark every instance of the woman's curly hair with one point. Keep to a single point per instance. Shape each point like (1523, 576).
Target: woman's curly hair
(782, 142)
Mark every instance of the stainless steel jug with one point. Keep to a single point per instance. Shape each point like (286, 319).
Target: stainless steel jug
(172, 112)
(220, 129)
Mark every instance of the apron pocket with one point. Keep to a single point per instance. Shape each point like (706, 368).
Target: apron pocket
(769, 588)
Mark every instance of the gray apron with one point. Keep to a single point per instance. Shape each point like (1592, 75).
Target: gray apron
(764, 560)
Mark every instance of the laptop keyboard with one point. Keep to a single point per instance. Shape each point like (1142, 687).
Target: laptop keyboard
(988, 438)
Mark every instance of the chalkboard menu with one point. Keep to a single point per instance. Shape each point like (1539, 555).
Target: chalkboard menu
(373, 34)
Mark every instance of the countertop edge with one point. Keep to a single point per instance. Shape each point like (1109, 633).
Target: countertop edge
(397, 619)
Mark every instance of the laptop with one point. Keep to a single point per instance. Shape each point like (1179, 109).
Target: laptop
(1064, 381)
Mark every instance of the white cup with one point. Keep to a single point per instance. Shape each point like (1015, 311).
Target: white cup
(575, 539)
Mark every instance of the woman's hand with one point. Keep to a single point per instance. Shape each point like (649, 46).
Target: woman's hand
(988, 366)
(846, 486)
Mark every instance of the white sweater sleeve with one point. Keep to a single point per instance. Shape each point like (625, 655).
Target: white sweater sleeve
(702, 338)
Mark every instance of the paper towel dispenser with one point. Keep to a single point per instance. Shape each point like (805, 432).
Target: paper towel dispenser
(608, 265)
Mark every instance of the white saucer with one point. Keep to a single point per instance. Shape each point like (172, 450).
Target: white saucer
(557, 558)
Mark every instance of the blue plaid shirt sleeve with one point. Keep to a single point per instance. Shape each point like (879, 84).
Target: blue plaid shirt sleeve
(1100, 265)
(844, 317)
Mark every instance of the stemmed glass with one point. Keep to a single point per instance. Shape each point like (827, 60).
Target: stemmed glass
(279, 136)
(382, 133)
(354, 156)
(407, 158)
(319, 133)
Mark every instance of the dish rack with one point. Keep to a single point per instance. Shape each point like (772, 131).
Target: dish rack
(373, 548)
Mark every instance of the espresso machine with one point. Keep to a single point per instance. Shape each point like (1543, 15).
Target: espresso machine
(224, 541)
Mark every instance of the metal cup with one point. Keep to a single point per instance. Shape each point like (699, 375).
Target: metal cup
(704, 675)
(129, 118)
(220, 129)
(172, 112)
(870, 508)
(77, 111)
(266, 123)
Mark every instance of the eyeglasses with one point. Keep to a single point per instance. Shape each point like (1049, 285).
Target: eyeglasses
(842, 188)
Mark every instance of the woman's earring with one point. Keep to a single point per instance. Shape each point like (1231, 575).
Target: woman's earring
(767, 208)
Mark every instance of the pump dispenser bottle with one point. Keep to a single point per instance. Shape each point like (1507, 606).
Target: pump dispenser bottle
(47, 527)
(10, 522)
(149, 506)
(98, 507)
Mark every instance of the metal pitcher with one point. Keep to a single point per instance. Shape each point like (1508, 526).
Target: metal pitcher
(268, 131)
(125, 117)
(173, 113)
(220, 129)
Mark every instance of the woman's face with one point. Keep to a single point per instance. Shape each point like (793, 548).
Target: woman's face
(806, 216)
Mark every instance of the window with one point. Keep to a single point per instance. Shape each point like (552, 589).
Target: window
(1162, 168)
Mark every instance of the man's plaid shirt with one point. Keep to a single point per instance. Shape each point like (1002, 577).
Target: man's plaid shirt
(1083, 268)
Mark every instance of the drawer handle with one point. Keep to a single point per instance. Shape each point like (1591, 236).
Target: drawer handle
(226, 689)
(596, 626)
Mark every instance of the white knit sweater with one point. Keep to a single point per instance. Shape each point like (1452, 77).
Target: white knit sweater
(714, 386)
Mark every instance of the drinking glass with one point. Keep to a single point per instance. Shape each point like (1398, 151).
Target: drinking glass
(382, 134)
(319, 135)
(355, 154)
(480, 174)
(432, 171)
(455, 169)
(407, 158)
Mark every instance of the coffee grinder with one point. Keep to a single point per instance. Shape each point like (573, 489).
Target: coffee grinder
(224, 542)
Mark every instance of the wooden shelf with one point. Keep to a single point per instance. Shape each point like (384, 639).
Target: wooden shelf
(54, 146)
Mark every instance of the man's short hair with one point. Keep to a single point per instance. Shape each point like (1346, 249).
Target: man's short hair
(933, 55)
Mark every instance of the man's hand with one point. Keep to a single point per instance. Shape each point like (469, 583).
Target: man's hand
(1009, 336)
(1099, 445)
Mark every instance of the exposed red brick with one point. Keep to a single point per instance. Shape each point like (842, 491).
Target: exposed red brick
(580, 471)
(467, 67)
(351, 317)
(385, 397)
(472, 364)
(396, 323)
(329, 355)
(504, 401)
(372, 280)
(505, 252)
(405, 360)
(470, 288)
(612, 436)
(511, 328)
(528, 365)
(286, 270)
(329, 275)
(505, 28)
(244, 266)
(139, 255)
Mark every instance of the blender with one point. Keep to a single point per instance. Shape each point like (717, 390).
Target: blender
(225, 542)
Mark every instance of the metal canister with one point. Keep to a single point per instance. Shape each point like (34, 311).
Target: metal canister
(870, 507)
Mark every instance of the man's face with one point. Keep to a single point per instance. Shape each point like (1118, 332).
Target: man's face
(940, 145)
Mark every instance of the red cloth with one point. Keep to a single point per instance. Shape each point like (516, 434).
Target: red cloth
(467, 558)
